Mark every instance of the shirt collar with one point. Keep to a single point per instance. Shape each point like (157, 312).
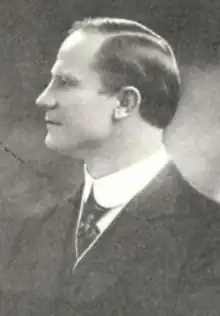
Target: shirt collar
(118, 188)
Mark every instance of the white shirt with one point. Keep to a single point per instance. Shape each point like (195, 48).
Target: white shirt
(114, 191)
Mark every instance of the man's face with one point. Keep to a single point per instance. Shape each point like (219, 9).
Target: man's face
(78, 117)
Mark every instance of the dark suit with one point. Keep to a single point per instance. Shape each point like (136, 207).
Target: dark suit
(160, 258)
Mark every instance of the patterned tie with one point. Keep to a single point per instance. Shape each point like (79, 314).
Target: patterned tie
(88, 229)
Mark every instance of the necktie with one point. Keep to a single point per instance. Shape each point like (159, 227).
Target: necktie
(88, 229)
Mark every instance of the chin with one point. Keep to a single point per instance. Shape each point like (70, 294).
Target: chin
(52, 144)
(61, 147)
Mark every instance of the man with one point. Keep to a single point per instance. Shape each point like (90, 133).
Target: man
(136, 239)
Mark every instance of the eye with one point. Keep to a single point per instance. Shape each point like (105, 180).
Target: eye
(63, 82)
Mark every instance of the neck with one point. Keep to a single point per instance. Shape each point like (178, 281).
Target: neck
(122, 151)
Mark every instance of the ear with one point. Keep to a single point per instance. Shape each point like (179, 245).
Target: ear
(129, 99)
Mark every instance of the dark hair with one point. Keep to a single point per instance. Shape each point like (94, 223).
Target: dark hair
(134, 55)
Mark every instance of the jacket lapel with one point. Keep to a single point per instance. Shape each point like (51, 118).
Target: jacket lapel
(133, 206)
(118, 247)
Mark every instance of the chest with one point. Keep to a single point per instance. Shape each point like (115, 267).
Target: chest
(35, 257)
(134, 253)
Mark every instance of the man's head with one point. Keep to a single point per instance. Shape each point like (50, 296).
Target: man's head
(108, 70)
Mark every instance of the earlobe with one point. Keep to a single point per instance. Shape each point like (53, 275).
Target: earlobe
(119, 113)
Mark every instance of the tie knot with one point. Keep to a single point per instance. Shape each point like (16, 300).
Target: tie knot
(88, 229)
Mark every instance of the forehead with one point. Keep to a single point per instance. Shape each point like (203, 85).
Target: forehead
(77, 52)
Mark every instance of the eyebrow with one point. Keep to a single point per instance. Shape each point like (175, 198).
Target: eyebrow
(65, 76)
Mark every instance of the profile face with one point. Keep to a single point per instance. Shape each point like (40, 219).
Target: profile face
(78, 117)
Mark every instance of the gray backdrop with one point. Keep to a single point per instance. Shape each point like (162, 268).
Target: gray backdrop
(30, 34)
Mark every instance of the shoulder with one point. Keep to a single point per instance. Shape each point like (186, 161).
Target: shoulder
(181, 239)
(173, 185)
(176, 213)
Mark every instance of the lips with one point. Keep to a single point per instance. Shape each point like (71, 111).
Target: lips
(53, 122)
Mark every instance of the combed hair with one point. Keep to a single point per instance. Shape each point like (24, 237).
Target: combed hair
(134, 55)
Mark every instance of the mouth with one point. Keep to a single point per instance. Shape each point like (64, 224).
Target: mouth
(48, 122)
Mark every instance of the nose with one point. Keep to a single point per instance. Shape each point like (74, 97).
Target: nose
(46, 99)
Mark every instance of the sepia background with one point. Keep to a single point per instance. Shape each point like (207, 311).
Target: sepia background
(30, 34)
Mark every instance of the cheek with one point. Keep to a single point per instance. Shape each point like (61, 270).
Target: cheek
(87, 111)
(71, 109)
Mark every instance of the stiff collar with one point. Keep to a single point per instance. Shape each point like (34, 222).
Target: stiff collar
(118, 188)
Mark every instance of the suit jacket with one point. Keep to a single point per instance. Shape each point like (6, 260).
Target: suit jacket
(161, 257)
